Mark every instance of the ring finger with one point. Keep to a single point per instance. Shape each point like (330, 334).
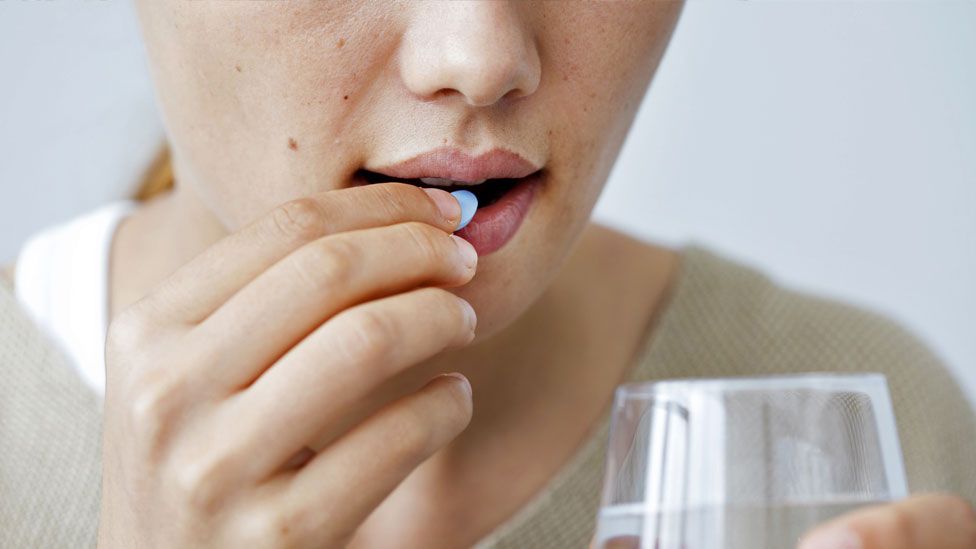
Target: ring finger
(339, 363)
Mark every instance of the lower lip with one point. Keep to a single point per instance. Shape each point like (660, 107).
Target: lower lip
(493, 226)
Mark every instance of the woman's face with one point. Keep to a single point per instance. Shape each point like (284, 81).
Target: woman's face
(267, 101)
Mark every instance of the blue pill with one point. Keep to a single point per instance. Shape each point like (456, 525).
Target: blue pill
(469, 204)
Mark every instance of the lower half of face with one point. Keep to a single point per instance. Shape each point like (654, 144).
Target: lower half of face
(267, 102)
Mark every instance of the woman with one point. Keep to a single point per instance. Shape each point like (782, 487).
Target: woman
(279, 317)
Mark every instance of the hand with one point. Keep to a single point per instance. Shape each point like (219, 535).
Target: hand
(932, 521)
(223, 377)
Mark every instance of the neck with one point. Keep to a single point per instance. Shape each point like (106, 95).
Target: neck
(159, 237)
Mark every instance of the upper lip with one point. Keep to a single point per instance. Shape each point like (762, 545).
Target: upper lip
(457, 165)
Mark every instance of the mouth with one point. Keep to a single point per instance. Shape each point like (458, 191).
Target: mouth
(503, 181)
(488, 191)
(490, 175)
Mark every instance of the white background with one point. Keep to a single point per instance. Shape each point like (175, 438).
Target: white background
(833, 144)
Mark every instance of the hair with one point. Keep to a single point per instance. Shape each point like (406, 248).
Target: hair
(158, 177)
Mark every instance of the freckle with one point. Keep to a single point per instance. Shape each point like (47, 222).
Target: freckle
(292, 144)
(237, 68)
(592, 95)
(444, 140)
(342, 42)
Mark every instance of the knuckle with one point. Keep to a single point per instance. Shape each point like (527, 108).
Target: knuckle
(368, 337)
(197, 483)
(152, 401)
(302, 219)
(126, 331)
(151, 407)
(269, 527)
(328, 264)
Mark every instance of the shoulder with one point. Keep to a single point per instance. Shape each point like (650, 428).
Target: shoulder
(752, 324)
(780, 327)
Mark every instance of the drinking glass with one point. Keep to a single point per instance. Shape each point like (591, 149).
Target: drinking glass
(745, 463)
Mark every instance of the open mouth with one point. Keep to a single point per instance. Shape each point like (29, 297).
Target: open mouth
(488, 192)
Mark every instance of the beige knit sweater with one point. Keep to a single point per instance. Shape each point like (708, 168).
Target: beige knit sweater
(723, 319)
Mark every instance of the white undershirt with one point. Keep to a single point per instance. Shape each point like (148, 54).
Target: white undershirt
(61, 279)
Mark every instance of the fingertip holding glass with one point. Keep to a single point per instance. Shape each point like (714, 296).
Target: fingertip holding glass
(469, 205)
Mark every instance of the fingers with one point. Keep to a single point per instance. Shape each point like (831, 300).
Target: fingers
(347, 481)
(289, 300)
(195, 290)
(933, 521)
(620, 542)
(339, 363)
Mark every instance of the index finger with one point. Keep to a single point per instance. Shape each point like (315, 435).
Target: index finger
(199, 287)
(932, 521)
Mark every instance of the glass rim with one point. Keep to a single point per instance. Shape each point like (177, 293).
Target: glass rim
(873, 384)
(811, 380)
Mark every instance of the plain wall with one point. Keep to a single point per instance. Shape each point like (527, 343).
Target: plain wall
(831, 144)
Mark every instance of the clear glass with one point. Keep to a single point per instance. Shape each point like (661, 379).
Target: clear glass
(748, 463)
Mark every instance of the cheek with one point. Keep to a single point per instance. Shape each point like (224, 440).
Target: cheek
(253, 97)
(603, 57)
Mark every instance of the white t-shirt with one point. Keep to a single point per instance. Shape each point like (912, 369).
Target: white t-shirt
(61, 278)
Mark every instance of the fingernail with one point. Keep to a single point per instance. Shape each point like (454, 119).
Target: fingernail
(469, 205)
(463, 381)
(469, 315)
(836, 537)
(449, 206)
(468, 254)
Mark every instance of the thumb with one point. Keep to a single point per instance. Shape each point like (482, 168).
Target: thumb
(935, 521)
(619, 542)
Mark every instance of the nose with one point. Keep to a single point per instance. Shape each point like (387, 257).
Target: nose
(480, 51)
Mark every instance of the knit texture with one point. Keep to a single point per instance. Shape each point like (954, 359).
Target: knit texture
(50, 440)
(722, 319)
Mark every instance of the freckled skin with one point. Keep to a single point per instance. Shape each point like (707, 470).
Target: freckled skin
(365, 81)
